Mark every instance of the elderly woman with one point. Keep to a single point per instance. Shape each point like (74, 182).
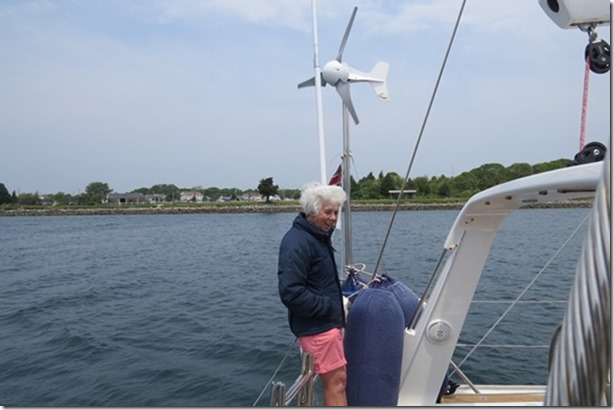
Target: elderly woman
(309, 286)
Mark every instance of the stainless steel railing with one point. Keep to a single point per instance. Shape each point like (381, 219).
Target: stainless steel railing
(302, 390)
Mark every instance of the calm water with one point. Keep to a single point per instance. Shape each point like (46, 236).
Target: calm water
(182, 310)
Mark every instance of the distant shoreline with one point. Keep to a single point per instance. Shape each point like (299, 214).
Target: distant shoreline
(261, 208)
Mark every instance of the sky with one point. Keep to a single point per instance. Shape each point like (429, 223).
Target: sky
(203, 93)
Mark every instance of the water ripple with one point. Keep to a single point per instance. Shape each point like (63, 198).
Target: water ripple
(183, 310)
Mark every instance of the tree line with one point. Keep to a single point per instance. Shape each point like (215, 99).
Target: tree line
(370, 187)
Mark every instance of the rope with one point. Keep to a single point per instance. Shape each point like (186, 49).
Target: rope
(579, 373)
(411, 162)
(275, 372)
(554, 345)
(587, 76)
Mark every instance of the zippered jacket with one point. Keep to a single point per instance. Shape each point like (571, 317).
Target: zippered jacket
(308, 282)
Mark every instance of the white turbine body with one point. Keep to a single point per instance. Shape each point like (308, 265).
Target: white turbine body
(334, 71)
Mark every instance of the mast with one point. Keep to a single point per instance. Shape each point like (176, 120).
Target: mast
(318, 86)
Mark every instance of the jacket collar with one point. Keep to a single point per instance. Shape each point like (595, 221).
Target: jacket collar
(302, 222)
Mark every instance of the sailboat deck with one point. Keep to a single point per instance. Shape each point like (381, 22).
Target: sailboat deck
(496, 396)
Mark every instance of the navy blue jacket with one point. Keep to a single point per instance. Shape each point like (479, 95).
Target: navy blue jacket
(308, 282)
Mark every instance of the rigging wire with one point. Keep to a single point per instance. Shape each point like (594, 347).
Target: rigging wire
(592, 36)
(587, 75)
(525, 290)
(411, 162)
(275, 372)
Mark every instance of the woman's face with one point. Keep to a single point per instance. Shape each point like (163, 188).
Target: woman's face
(327, 217)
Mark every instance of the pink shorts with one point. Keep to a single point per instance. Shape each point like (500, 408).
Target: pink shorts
(327, 350)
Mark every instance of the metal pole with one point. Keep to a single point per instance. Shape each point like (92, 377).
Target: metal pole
(278, 394)
(318, 87)
(347, 187)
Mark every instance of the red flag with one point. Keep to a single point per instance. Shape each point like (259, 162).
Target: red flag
(336, 178)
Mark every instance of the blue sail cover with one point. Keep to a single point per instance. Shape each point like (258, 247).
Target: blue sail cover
(352, 284)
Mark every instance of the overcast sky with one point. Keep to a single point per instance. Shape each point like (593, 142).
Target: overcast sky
(204, 92)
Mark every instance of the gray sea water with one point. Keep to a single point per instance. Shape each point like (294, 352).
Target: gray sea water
(182, 310)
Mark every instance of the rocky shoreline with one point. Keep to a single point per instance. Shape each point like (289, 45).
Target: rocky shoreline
(261, 208)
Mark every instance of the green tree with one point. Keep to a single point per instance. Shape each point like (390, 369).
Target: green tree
(5, 197)
(232, 193)
(144, 191)
(465, 185)
(422, 186)
(267, 189)
(289, 193)
(61, 198)
(410, 184)
(489, 175)
(443, 188)
(27, 198)
(96, 192)
(213, 193)
(293, 193)
(549, 166)
(518, 170)
(171, 191)
(367, 187)
(354, 188)
(369, 177)
(390, 182)
(370, 189)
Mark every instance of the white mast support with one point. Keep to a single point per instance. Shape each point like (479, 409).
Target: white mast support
(318, 87)
(428, 349)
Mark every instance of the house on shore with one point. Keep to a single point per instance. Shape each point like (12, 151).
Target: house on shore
(135, 198)
(191, 196)
(409, 193)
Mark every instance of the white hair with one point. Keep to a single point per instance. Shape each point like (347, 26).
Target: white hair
(314, 194)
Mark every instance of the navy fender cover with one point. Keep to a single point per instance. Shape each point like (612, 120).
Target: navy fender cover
(373, 345)
(408, 300)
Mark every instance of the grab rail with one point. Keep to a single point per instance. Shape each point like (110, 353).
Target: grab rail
(302, 390)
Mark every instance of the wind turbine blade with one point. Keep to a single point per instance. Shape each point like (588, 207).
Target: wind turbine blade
(312, 82)
(308, 83)
(346, 35)
(344, 91)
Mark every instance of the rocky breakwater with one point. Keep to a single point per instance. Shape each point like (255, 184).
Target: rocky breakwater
(252, 208)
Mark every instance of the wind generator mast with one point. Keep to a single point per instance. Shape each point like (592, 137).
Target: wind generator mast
(347, 186)
(340, 75)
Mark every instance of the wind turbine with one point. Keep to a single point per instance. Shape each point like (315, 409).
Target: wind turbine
(340, 75)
